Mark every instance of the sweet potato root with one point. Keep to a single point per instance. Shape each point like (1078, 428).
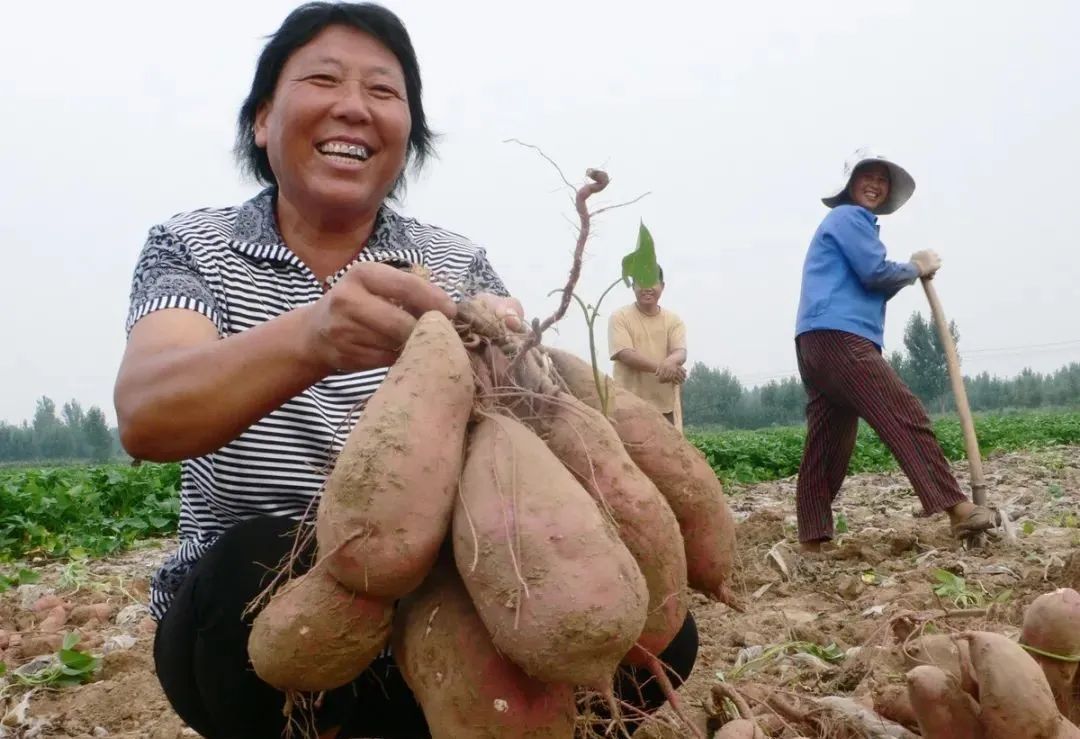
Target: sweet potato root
(942, 709)
(588, 446)
(466, 688)
(555, 587)
(679, 471)
(387, 504)
(1014, 698)
(315, 635)
(1052, 627)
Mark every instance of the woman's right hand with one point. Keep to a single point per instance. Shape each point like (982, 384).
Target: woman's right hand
(364, 320)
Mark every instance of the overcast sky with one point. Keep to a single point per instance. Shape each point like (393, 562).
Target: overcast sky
(735, 116)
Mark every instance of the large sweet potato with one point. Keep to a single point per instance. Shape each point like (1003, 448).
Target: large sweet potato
(588, 446)
(466, 688)
(891, 701)
(942, 709)
(315, 635)
(553, 584)
(946, 653)
(1052, 627)
(677, 468)
(740, 729)
(1014, 698)
(387, 504)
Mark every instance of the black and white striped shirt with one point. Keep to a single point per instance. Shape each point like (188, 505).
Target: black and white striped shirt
(232, 266)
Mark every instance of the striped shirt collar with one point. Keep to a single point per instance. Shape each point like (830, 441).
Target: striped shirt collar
(256, 235)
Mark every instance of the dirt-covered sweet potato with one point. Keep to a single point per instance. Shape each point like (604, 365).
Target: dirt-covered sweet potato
(315, 635)
(677, 468)
(465, 686)
(386, 507)
(588, 446)
(555, 587)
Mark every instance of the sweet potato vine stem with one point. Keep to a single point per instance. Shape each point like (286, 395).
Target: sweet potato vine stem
(599, 180)
(720, 691)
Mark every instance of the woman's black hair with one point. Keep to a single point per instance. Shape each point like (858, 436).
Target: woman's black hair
(300, 27)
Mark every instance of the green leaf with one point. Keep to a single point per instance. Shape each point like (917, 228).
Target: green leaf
(639, 267)
(1003, 596)
(841, 524)
(76, 662)
(831, 653)
(28, 577)
(70, 640)
(3, 669)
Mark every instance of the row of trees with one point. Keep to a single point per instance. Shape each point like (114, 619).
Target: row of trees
(71, 434)
(715, 397)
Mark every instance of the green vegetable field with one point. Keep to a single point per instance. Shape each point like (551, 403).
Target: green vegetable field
(99, 510)
(759, 456)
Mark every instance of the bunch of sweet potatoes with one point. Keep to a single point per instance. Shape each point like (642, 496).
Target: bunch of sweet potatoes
(984, 685)
(506, 539)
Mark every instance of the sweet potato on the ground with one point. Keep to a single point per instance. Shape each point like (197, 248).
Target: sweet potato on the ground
(588, 446)
(740, 729)
(558, 591)
(942, 709)
(677, 468)
(387, 504)
(944, 652)
(315, 635)
(466, 688)
(1014, 698)
(1052, 626)
(893, 702)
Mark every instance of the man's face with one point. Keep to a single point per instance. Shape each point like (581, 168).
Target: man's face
(648, 297)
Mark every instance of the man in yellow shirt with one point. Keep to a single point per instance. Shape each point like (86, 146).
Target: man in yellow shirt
(647, 344)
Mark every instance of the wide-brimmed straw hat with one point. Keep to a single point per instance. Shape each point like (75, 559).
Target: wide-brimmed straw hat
(901, 184)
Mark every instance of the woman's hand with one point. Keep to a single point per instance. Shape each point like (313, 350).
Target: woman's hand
(927, 262)
(509, 310)
(364, 321)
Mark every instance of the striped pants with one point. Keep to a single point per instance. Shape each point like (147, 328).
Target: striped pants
(846, 378)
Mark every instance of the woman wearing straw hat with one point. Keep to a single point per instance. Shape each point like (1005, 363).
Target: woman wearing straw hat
(846, 283)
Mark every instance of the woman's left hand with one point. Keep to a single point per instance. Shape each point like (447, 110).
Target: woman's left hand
(509, 310)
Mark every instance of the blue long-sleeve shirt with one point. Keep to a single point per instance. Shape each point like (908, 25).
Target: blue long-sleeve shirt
(846, 277)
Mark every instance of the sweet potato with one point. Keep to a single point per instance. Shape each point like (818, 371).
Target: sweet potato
(1015, 699)
(54, 621)
(555, 587)
(948, 654)
(677, 468)
(315, 635)
(588, 446)
(893, 702)
(386, 507)
(942, 709)
(1052, 627)
(466, 688)
(740, 729)
(102, 612)
(1067, 729)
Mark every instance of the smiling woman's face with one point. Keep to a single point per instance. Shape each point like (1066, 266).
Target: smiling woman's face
(870, 186)
(336, 130)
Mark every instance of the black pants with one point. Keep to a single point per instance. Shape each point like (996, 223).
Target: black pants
(200, 653)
